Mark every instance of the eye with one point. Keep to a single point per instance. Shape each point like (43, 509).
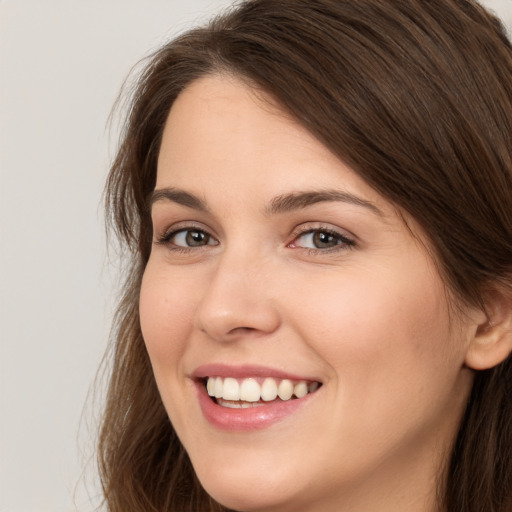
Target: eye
(322, 239)
(188, 238)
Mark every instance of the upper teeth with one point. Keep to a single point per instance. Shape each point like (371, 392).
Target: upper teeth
(250, 390)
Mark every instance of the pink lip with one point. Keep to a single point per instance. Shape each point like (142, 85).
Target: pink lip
(244, 371)
(253, 418)
(243, 420)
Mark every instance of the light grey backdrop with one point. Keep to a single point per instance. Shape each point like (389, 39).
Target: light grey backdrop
(62, 63)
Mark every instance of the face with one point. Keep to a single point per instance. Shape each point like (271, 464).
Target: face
(276, 270)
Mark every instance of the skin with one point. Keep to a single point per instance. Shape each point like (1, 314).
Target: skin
(370, 319)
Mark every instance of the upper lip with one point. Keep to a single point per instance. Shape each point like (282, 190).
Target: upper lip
(245, 371)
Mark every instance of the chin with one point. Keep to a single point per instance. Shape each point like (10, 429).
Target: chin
(249, 491)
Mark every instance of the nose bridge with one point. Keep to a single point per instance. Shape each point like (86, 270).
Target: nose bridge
(238, 299)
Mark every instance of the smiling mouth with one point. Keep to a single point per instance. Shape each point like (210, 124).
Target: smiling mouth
(256, 392)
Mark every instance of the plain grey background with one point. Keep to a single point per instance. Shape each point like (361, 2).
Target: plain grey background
(62, 63)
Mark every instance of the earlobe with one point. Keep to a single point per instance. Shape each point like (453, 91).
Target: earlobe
(492, 342)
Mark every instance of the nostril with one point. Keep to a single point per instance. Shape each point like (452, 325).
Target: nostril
(242, 330)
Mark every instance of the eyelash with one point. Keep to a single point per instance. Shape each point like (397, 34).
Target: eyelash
(166, 238)
(342, 241)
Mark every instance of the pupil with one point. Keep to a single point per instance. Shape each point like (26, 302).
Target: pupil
(323, 240)
(195, 238)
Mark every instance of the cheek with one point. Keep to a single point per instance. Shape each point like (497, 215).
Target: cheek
(393, 359)
(165, 316)
(381, 331)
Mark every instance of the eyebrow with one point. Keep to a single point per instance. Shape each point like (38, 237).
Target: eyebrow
(178, 196)
(280, 204)
(299, 200)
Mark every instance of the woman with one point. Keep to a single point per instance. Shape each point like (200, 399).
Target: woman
(317, 196)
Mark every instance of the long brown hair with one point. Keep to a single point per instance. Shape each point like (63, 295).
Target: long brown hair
(416, 96)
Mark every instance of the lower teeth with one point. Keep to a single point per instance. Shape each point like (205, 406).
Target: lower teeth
(239, 404)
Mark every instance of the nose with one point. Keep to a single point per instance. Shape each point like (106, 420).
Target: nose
(239, 300)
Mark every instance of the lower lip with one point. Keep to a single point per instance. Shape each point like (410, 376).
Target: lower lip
(252, 418)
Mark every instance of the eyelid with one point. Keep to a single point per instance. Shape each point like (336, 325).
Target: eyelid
(164, 236)
(347, 239)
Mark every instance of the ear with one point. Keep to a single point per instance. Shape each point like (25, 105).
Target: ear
(492, 342)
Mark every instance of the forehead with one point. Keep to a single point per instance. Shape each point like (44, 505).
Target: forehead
(223, 117)
(222, 131)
